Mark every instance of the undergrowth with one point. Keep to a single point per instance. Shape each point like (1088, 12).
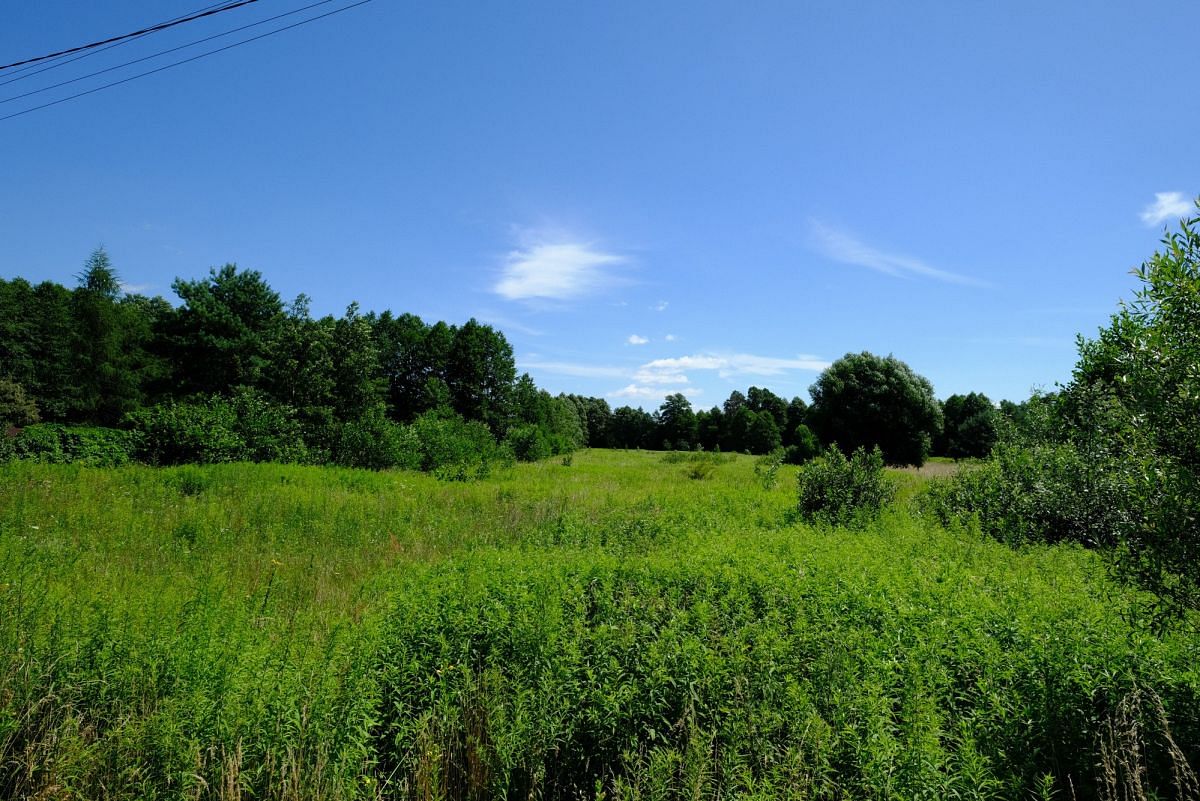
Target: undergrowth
(615, 629)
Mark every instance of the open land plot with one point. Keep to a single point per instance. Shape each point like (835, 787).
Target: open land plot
(612, 628)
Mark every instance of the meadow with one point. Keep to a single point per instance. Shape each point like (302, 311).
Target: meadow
(621, 624)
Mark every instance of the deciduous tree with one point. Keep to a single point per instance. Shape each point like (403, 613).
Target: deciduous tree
(863, 400)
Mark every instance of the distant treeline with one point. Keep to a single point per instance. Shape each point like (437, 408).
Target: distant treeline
(232, 373)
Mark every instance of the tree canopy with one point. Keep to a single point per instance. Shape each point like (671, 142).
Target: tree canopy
(863, 400)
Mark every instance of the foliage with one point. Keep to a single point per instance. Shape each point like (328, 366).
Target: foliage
(54, 443)
(529, 443)
(270, 430)
(455, 449)
(677, 423)
(863, 401)
(804, 445)
(358, 386)
(1040, 493)
(766, 467)
(202, 431)
(375, 442)
(245, 427)
(969, 427)
(16, 407)
(1133, 408)
(480, 371)
(633, 428)
(841, 491)
(328, 389)
(616, 628)
(1113, 459)
(224, 330)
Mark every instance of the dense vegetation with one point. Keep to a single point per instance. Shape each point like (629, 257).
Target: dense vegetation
(1113, 459)
(612, 625)
(615, 628)
(231, 373)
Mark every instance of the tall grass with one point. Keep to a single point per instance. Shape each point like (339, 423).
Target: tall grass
(611, 629)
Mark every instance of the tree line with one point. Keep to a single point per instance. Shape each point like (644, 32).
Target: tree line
(232, 372)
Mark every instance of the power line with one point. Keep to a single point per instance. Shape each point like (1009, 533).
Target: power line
(164, 52)
(29, 70)
(162, 26)
(186, 60)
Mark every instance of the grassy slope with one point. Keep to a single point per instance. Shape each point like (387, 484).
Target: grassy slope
(610, 628)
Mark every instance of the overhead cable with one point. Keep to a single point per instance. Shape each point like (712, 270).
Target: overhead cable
(162, 26)
(29, 70)
(184, 61)
(165, 52)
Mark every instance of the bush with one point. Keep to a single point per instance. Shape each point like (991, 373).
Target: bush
(454, 449)
(16, 407)
(529, 443)
(1134, 399)
(183, 432)
(841, 491)
(766, 467)
(374, 442)
(270, 430)
(1043, 493)
(804, 447)
(59, 444)
(246, 427)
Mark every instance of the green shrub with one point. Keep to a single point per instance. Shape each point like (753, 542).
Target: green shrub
(16, 407)
(183, 432)
(804, 447)
(375, 442)
(454, 449)
(841, 491)
(247, 427)
(60, 444)
(529, 443)
(1038, 493)
(270, 430)
(766, 467)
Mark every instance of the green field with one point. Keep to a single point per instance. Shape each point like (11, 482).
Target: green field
(614, 628)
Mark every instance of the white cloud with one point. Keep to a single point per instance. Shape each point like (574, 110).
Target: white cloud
(556, 271)
(573, 369)
(727, 365)
(658, 378)
(650, 393)
(133, 289)
(841, 246)
(634, 339)
(1166, 206)
(670, 337)
(660, 306)
(508, 324)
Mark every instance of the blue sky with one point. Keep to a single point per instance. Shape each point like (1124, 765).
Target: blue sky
(645, 197)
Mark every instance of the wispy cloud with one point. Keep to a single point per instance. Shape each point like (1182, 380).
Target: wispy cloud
(660, 306)
(560, 270)
(1166, 206)
(727, 365)
(133, 289)
(636, 391)
(845, 248)
(634, 339)
(670, 337)
(509, 324)
(655, 379)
